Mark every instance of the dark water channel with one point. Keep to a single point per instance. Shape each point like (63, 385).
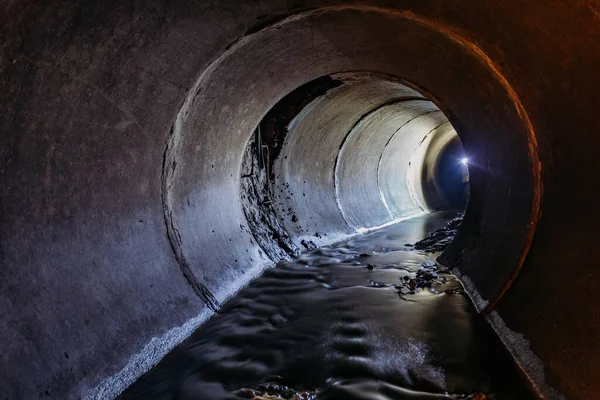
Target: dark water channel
(328, 322)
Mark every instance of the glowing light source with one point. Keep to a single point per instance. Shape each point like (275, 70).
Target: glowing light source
(464, 161)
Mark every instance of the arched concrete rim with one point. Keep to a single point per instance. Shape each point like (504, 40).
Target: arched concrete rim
(465, 47)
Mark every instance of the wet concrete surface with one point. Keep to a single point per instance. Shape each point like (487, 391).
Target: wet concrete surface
(342, 321)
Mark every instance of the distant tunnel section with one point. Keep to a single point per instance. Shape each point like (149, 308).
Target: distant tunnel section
(344, 154)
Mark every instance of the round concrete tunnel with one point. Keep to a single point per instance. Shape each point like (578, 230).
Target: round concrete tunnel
(313, 172)
(319, 182)
(133, 205)
(346, 155)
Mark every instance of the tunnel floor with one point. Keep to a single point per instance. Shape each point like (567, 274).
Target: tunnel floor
(341, 322)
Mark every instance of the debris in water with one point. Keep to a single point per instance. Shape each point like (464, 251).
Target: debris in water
(275, 391)
(429, 274)
(440, 239)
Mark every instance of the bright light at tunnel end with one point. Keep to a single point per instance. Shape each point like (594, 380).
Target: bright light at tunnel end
(464, 161)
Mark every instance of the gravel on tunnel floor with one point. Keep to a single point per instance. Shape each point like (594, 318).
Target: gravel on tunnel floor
(368, 318)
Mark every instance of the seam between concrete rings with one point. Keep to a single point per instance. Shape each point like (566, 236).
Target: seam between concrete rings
(168, 170)
(409, 182)
(350, 132)
(381, 195)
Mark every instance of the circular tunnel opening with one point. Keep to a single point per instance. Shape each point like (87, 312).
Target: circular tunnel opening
(329, 158)
(439, 172)
(348, 153)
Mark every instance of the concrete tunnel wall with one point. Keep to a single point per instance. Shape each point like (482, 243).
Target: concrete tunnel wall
(406, 142)
(122, 133)
(362, 170)
(360, 160)
(325, 182)
(343, 162)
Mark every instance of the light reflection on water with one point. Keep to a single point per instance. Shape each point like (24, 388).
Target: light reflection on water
(319, 322)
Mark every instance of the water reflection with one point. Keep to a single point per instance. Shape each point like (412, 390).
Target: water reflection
(326, 321)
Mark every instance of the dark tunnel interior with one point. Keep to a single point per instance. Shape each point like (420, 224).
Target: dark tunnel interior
(352, 198)
(451, 175)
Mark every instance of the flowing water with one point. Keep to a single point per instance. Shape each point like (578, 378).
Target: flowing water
(349, 322)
